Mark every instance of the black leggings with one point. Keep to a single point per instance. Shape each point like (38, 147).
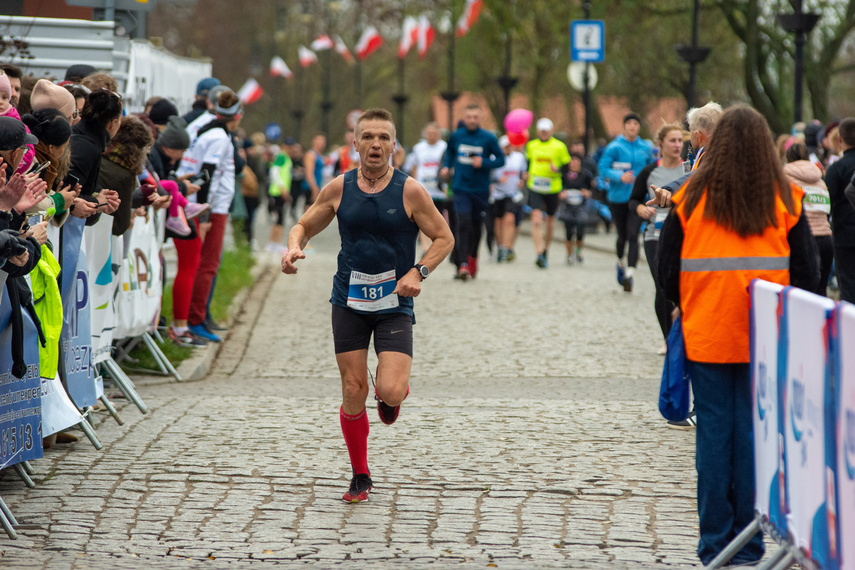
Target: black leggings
(825, 245)
(661, 305)
(627, 224)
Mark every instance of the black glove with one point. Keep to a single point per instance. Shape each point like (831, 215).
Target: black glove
(11, 244)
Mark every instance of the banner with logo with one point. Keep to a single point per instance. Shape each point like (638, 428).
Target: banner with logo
(804, 325)
(141, 287)
(20, 398)
(104, 253)
(76, 341)
(765, 299)
(58, 413)
(842, 343)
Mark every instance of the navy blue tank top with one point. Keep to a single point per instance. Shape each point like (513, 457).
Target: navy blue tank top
(378, 247)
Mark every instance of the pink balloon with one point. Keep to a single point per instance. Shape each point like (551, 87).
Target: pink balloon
(518, 139)
(518, 120)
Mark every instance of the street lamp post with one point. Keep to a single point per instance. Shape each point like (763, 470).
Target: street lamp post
(693, 55)
(400, 98)
(506, 82)
(801, 24)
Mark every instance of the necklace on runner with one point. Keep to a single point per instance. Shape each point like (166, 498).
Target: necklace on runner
(373, 181)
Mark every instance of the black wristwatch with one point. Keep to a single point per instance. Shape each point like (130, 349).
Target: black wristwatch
(423, 271)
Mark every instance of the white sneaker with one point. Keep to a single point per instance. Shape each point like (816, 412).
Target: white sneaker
(663, 350)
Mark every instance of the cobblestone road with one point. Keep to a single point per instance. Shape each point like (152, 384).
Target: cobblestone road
(531, 437)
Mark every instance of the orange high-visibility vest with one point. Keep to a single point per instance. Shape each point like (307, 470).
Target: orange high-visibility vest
(716, 267)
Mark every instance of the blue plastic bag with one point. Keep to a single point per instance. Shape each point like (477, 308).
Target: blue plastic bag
(674, 390)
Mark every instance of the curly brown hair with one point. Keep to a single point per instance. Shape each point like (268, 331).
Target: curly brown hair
(132, 143)
(741, 175)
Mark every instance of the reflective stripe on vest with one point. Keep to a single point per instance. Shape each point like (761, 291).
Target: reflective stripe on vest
(716, 266)
(735, 264)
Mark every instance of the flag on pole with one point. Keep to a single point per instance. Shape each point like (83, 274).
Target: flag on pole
(369, 42)
(341, 48)
(426, 35)
(278, 68)
(409, 35)
(469, 16)
(322, 43)
(250, 92)
(307, 56)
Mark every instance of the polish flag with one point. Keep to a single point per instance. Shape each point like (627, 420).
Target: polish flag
(369, 42)
(341, 48)
(469, 16)
(409, 35)
(307, 56)
(426, 35)
(322, 42)
(278, 68)
(250, 92)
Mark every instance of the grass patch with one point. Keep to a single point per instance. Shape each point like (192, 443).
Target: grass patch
(234, 275)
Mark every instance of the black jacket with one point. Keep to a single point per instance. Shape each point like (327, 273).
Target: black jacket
(88, 141)
(842, 213)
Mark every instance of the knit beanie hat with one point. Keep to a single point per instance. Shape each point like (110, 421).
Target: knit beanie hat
(161, 111)
(46, 95)
(5, 86)
(175, 134)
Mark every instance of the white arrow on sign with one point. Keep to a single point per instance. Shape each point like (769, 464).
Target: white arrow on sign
(576, 75)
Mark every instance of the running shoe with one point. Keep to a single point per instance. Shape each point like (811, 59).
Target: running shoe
(473, 266)
(511, 255)
(193, 210)
(571, 259)
(621, 273)
(186, 339)
(688, 423)
(463, 273)
(502, 256)
(360, 485)
(579, 258)
(388, 414)
(541, 261)
(201, 331)
(627, 283)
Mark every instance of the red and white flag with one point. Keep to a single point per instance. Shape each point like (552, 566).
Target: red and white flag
(409, 35)
(341, 48)
(307, 56)
(426, 35)
(250, 92)
(278, 68)
(369, 42)
(469, 16)
(322, 42)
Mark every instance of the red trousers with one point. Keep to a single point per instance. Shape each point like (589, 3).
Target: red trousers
(188, 251)
(209, 264)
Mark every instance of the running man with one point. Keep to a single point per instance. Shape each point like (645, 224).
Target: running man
(546, 157)
(380, 211)
(506, 193)
(621, 162)
(314, 161)
(472, 153)
(423, 164)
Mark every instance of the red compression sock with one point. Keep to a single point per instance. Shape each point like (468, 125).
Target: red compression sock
(355, 431)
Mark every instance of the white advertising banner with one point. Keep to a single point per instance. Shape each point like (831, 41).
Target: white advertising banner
(104, 263)
(804, 332)
(764, 389)
(58, 413)
(141, 286)
(154, 70)
(845, 374)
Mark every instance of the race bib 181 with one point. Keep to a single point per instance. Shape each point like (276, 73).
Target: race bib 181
(372, 292)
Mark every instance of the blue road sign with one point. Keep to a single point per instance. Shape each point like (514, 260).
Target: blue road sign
(588, 41)
(273, 131)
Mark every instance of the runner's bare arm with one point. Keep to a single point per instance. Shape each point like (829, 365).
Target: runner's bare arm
(317, 217)
(423, 212)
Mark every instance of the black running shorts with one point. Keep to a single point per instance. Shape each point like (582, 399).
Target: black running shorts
(393, 332)
(547, 203)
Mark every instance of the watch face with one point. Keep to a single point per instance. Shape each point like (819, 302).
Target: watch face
(424, 272)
